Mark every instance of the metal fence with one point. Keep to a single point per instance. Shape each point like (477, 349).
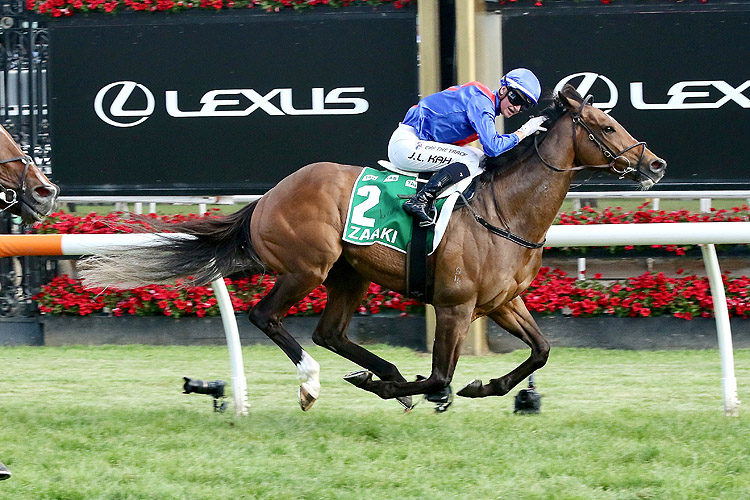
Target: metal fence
(24, 98)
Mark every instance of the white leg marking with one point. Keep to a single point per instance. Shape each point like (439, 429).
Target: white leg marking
(308, 373)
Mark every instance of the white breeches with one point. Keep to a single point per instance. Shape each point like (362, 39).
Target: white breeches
(408, 152)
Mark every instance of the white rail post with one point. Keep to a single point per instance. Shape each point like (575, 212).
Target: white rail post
(239, 382)
(723, 330)
(581, 268)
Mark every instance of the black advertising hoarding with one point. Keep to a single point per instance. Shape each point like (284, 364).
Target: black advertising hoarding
(679, 80)
(224, 103)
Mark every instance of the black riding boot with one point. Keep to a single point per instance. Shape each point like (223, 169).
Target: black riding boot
(420, 205)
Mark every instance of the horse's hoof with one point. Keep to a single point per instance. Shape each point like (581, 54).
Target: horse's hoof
(306, 400)
(358, 378)
(406, 402)
(471, 390)
(442, 399)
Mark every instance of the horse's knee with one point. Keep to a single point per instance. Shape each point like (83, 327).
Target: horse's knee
(262, 321)
(255, 318)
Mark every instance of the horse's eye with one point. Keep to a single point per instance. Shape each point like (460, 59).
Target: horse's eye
(608, 129)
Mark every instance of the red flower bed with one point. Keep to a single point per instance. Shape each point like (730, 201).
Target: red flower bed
(115, 222)
(64, 8)
(552, 291)
(68, 296)
(686, 297)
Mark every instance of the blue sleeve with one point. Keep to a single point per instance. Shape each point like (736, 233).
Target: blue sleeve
(481, 114)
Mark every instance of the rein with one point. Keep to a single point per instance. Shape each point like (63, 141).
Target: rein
(500, 231)
(5, 192)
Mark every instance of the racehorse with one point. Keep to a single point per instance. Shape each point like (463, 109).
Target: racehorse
(24, 190)
(296, 229)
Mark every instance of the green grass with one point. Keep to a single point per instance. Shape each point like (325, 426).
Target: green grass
(111, 423)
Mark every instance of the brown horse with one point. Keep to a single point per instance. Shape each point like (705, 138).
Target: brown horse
(296, 230)
(24, 190)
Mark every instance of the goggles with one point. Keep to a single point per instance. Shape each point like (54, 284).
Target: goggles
(517, 98)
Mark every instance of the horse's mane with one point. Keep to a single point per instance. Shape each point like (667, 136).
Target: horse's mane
(494, 165)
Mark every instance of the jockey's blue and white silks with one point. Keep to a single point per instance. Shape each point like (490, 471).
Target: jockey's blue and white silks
(459, 115)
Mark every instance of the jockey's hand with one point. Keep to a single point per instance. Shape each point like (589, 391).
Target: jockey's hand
(532, 126)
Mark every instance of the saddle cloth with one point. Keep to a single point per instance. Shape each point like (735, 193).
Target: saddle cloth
(375, 213)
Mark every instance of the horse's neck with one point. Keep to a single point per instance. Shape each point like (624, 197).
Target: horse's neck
(530, 194)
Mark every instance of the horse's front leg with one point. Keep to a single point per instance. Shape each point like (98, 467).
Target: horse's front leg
(517, 320)
(451, 327)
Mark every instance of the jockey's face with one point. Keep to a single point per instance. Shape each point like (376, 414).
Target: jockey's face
(507, 109)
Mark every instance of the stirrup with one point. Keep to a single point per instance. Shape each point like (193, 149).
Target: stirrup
(432, 218)
(428, 223)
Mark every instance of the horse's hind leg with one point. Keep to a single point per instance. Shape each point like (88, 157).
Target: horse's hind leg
(268, 314)
(516, 319)
(345, 289)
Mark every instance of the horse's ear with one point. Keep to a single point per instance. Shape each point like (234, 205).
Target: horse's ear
(569, 97)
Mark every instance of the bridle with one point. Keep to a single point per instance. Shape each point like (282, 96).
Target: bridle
(603, 147)
(10, 196)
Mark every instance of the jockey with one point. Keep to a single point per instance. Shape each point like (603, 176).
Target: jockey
(433, 135)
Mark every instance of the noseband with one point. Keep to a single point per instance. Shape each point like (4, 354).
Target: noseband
(10, 196)
(604, 148)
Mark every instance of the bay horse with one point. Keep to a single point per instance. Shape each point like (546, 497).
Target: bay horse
(296, 230)
(24, 190)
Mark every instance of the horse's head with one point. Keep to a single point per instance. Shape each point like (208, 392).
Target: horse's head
(24, 190)
(602, 142)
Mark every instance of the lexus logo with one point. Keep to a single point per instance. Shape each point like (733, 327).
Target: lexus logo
(691, 94)
(223, 103)
(584, 87)
(117, 115)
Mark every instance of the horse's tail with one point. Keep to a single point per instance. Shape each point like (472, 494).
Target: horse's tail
(216, 247)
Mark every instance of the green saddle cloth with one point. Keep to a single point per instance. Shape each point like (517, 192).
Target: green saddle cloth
(376, 213)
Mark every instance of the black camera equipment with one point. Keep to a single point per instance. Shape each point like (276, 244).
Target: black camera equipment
(4, 472)
(215, 389)
(528, 400)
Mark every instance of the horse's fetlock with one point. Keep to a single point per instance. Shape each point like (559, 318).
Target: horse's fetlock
(500, 386)
(436, 383)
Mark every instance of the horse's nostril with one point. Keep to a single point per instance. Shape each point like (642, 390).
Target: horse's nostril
(658, 165)
(43, 192)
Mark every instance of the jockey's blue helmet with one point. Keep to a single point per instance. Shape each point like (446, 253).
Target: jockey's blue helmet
(524, 80)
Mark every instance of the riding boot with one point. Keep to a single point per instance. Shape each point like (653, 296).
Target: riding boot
(420, 205)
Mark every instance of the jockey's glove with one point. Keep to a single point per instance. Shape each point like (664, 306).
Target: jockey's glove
(532, 126)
